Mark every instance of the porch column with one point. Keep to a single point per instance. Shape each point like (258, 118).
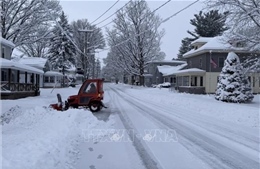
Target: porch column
(25, 77)
(9, 77)
(18, 79)
(38, 80)
(18, 76)
(189, 80)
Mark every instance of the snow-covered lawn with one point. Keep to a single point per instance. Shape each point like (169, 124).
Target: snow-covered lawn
(35, 136)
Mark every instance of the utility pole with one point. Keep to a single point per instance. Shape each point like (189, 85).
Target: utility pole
(63, 57)
(94, 66)
(86, 31)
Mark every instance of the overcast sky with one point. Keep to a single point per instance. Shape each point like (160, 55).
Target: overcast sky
(175, 29)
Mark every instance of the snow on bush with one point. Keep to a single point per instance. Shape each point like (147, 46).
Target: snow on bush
(233, 85)
(44, 138)
(164, 85)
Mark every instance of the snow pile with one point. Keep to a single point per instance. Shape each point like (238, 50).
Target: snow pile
(44, 138)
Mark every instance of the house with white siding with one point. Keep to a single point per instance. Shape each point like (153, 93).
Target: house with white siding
(17, 80)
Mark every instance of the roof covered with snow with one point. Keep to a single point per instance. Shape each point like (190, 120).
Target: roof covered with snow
(4, 63)
(215, 44)
(201, 40)
(53, 73)
(7, 42)
(17, 54)
(33, 61)
(169, 70)
(168, 61)
(191, 71)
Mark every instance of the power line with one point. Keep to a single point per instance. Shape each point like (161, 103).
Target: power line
(113, 13)
(165, 20)
(148, 15)
(105, 12)
(135, 6)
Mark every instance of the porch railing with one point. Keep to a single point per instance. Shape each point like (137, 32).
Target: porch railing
(19, 86)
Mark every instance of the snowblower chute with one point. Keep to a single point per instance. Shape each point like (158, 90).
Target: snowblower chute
(90, 95)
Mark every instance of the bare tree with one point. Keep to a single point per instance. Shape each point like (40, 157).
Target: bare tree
(244, 21)
(135, 38)
(88, 41)
(112, 68)
(40, 47)
(20, 19)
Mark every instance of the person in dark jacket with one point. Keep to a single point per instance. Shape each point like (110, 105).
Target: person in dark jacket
(92, 88)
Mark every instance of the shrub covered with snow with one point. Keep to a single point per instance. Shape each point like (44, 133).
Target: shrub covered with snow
(233, 84)
(164, 85)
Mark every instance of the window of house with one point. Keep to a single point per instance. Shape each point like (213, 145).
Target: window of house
(221, 62)
(46, 79)
(52, 79)
(173, 80)
(185, 81)
(3, 52)
(195, 81)
(201, 62)
(13, 76)
(253, 81)
(240, 44)
(201, 81)
(179, 82)
(3, 75)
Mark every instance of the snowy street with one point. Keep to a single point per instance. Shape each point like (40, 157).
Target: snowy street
(130, 84)
(142, 128)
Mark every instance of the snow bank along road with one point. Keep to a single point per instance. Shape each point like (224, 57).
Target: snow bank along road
(191, 136)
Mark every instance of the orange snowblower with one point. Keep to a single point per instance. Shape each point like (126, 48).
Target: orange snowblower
(90, 96)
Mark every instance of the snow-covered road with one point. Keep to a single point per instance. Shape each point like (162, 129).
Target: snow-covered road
(142, 128)
(171, 130)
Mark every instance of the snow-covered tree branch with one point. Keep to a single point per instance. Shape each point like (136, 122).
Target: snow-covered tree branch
(244, 21)
(135, 38)
(20, 19)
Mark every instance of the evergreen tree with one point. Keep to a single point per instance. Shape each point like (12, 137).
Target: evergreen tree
(62, 50)
(209, 24)
(233, 85)
(185, 47)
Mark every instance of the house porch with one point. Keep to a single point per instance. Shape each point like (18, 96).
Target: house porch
(190, 81)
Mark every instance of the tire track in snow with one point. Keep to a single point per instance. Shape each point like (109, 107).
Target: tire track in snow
(148, 160)
(244, 138)
(203, 146)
